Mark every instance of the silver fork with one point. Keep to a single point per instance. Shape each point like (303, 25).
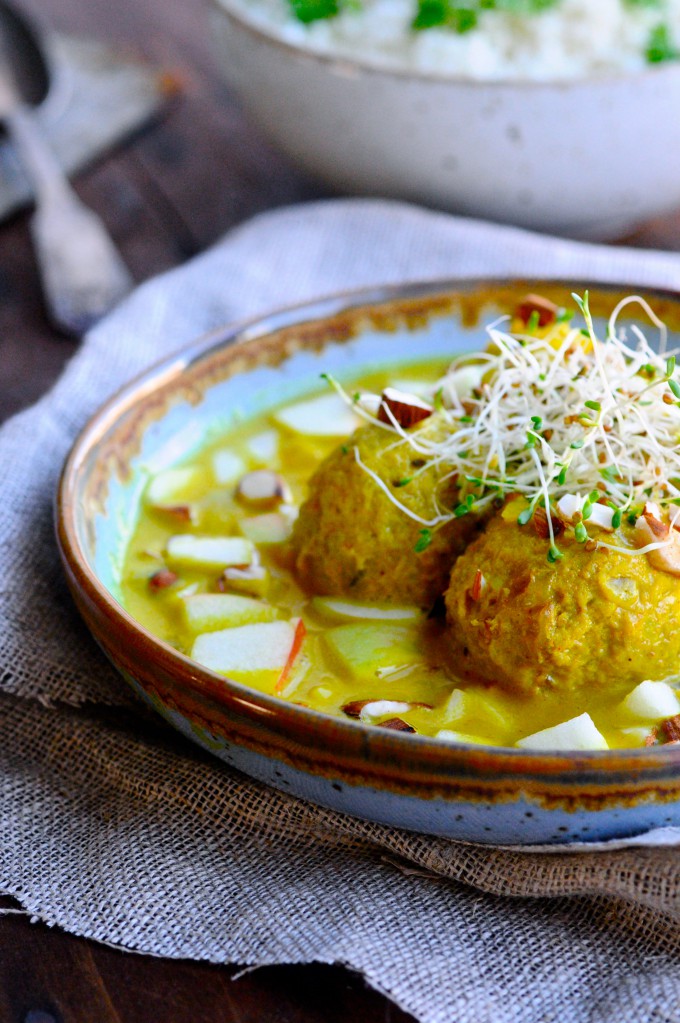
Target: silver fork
(83, 274)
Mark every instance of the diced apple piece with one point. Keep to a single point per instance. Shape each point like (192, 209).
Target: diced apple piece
(227, 466)
(172, 485)
(364, 650)
(325, 416)
(579, 733)
(207, 612)
(368, 710)
(456, 706)
(248, 650)
(209, 552)
(339, 609)
(293, 655)
(272, 527)
(652, 701)
(264, 446)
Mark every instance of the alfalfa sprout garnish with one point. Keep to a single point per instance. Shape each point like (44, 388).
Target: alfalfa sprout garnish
(584, 428)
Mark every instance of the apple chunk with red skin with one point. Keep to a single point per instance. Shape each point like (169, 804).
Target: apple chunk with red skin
(262, 654)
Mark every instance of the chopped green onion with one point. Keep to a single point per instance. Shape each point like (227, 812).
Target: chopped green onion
(533, 321)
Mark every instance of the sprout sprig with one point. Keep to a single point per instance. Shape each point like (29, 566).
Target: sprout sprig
(557, 411)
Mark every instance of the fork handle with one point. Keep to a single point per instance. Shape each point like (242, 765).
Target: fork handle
(82, 272)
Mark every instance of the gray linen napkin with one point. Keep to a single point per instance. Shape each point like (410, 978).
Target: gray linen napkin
(114, 829)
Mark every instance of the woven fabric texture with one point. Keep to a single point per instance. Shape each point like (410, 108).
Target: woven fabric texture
(115, 828)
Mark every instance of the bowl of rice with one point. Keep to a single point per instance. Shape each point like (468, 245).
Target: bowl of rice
(557, 115)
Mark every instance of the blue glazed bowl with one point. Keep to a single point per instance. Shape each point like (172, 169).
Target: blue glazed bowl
(474, 793)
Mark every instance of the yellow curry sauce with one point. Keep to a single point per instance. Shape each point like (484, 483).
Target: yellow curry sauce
(350, 656)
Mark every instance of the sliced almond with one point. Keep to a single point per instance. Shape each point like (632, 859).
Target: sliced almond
(367, 710)
(397, 725)
(547, 310)
(671, 727)
(161, 579)
(262, 489)
(539, 521)
(180, 512)
(650, 528)
(405, 409)
(253, 580)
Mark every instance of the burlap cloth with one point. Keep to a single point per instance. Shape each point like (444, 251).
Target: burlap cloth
(114, 828)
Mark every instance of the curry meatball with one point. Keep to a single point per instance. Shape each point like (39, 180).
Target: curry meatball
(596, 619)
(351, 540)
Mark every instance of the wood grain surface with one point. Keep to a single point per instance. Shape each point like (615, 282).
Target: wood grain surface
(169, 193)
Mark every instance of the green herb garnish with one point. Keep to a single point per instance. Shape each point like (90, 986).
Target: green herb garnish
(424, 540)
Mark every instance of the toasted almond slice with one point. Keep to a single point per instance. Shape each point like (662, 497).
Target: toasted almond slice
(671, 727)
(396, 725)
(406, 409)
(162, 579)
(368, 710)
(180, 512)
(263, 489)
(532, 303)
(650, 528)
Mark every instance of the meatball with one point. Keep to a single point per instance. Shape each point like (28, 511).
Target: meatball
(596, 619)
(352, 540)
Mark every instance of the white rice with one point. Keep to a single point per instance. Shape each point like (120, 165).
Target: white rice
(574, 39)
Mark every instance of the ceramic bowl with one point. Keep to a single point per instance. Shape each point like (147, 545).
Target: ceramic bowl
(589, 158)
(505, 796)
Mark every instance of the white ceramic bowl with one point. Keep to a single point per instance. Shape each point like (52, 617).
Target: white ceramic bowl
(588, 158)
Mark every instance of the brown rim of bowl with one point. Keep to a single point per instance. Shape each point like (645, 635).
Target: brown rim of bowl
(338, 63)
(288, 721)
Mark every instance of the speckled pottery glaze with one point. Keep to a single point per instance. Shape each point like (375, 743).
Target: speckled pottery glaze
(588, 158)
(481, 794)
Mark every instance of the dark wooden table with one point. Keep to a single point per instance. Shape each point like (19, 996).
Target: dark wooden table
(167, 195)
